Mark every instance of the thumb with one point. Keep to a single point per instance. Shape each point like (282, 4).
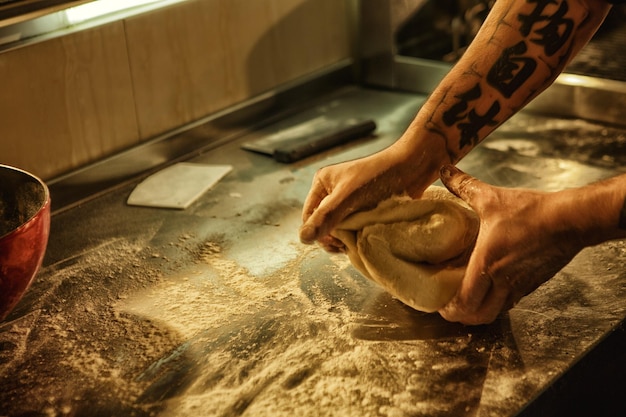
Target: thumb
(461, 184)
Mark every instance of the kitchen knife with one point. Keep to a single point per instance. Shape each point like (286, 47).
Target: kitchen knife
(297, 142)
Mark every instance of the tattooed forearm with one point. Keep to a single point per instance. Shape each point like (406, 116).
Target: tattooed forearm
(511, 70)
(547, 28)
(467, 120)
(540, 35)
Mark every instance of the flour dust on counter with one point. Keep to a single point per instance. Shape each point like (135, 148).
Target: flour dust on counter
(74, 347)
(159, 335)
(597, 145)
(218, 310)
(280, 344)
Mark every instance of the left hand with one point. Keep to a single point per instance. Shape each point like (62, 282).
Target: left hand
(521, 244)
(342, 189)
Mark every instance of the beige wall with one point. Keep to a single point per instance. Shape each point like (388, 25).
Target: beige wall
(66, 101)
(72, 100)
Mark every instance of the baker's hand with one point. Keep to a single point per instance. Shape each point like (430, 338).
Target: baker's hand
(341, 189)
(520, 245)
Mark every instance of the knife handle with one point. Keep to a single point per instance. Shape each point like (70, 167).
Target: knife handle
(339, 134)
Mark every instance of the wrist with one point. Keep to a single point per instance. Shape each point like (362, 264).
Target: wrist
(419, 159)
(591, 214)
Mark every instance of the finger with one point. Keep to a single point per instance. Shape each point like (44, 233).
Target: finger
(319, 223)
(476, 284)
(332, 244)
(480, 298)
(308, 231)
(461, 184)
(469, 298)
(494, 303)
(313, 200)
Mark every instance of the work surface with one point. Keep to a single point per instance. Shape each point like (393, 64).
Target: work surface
(218, 310)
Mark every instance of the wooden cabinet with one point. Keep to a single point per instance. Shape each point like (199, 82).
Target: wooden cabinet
(66, 102)
(75, 99)
(198, 57)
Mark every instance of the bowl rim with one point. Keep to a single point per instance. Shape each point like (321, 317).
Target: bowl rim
(46, 200)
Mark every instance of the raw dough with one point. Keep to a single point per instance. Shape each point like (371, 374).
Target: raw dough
(416, 249)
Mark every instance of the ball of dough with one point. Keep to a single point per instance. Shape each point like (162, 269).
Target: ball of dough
(416, 249)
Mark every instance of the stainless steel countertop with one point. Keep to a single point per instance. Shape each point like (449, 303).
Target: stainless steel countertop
(218, 310)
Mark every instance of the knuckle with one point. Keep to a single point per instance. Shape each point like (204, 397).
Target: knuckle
(466, 183)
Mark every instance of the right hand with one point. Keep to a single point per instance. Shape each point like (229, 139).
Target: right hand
(341, 189)
(523, 242)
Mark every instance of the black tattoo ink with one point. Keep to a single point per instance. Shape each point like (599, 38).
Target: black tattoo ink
(469, 122)
(536, 16)
(556, 33)
(511, 70)
(556, 30)
(470, 129)
(545, 25)
(437, 130)
(455, 113)
(622, 217)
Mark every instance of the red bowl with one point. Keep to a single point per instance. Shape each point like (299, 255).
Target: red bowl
(24, 230)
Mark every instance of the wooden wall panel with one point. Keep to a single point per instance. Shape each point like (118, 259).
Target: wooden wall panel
(194, 58)
(309, 36)
(179, 65)
(73, 100)
(66, 102)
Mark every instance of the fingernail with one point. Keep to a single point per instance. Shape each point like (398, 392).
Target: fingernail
(446, 171)
(307, 234)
